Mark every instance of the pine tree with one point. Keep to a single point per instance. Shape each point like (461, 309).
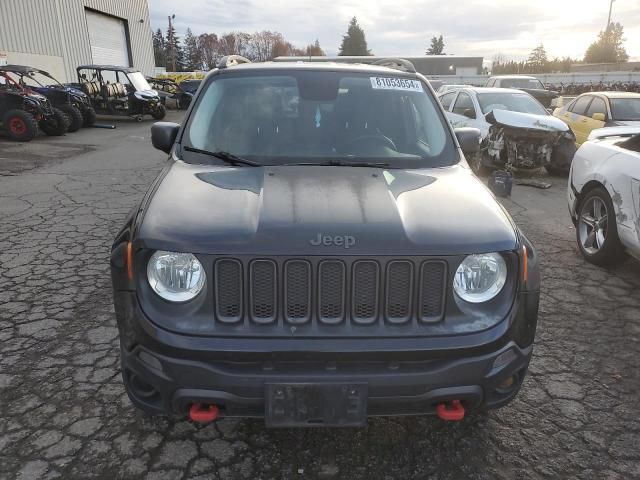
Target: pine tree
(314, 50)
(354, 42)
(437, 46)
(192, 53)
(159, 49)
(608, 48)
(537, 61)
(173, 49)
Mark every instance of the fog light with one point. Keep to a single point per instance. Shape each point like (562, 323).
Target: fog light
(507, 385)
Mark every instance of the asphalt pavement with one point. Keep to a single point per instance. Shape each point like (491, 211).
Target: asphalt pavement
(64, 413)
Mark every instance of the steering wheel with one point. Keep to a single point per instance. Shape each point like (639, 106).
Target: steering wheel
(374, 137)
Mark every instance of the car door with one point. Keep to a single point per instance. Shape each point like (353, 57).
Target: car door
(463, 113)
(596, 115)
(447, 100)
(574, 116)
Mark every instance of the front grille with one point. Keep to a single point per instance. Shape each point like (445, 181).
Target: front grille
(354, 293)
(229, 286)
(297, 291)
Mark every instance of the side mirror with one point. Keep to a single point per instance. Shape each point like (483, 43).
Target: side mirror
(600, 117)
(163, 134)
(470, 113)
(469, 139)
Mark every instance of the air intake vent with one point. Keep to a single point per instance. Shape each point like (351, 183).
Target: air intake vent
(399, 287)
(297, 291)
(263, 291)
(431, 301)
(366, 278)
(228, 277)
(332, 291)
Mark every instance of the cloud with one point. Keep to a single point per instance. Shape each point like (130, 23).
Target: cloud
(404, 27)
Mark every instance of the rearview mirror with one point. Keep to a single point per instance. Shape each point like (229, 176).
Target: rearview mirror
(163, 134)
(469, 139)
(600, 117)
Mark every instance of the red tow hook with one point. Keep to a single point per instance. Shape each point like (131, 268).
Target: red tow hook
(453, 414)
(203, 413)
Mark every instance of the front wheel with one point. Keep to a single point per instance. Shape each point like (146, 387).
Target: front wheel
(89, 115)
(159, 113)
(76, 120)
(56, 124)
(597, 231)
(20, 125)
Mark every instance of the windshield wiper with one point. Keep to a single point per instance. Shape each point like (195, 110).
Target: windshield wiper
(225, 156)
(340, 163)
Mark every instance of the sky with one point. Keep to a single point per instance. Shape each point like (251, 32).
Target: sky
(487, 28)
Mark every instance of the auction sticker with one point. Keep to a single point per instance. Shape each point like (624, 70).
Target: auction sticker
(390, 83)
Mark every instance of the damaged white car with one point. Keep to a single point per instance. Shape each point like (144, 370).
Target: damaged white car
(604, 195)
(518, 133)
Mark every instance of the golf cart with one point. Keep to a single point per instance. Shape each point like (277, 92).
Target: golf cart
(71, 101)
(124, 91)
(23, 110)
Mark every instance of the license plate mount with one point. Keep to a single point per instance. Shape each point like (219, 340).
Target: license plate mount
(316, 404)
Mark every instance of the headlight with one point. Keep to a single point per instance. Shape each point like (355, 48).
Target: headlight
(176, 277)
(480, 278)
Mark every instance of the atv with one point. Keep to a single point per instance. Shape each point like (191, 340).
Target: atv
(71, 101)
(124, 91)
(23, 110)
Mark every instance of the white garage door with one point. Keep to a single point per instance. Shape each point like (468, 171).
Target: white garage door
(108, 39)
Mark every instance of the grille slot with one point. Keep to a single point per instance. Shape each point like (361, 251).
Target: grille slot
(331, 283)
(297, 291)
(263, 291)
(366, 287)
(228, 275)
(399, 288)
(432, 274)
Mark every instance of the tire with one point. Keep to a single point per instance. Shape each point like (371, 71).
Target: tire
(56, 125)
(76, 120)
(597, 231)
(159, 113)
(20, 125)
(89, 115)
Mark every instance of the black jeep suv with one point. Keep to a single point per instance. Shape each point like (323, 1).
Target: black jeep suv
(317, 251)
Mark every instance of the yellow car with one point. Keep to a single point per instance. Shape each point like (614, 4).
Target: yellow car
(598, 110)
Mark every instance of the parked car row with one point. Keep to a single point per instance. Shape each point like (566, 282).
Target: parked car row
(31, 99)
(604, 173)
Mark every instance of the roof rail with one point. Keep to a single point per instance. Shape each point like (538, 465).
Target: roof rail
(396, 63)
(231, 61)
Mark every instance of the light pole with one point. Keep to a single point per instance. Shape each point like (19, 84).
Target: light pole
(609, 19)
(172, 52)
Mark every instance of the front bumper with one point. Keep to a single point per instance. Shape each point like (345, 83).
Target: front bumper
(159, 384)
(165, 373)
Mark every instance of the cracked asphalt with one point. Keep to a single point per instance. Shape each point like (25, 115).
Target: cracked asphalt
(64, 413)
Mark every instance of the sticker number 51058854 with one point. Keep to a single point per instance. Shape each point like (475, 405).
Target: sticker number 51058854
(390, 83)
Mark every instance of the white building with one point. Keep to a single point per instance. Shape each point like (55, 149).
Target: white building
(59, 35)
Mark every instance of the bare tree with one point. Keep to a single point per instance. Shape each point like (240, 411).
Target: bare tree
(209, 46)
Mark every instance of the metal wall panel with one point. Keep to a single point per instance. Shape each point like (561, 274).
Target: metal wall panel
(58, 28)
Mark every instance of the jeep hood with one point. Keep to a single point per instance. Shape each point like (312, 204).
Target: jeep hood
(279, 210)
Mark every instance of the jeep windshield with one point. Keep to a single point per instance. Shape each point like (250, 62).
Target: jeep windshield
(319, 117)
